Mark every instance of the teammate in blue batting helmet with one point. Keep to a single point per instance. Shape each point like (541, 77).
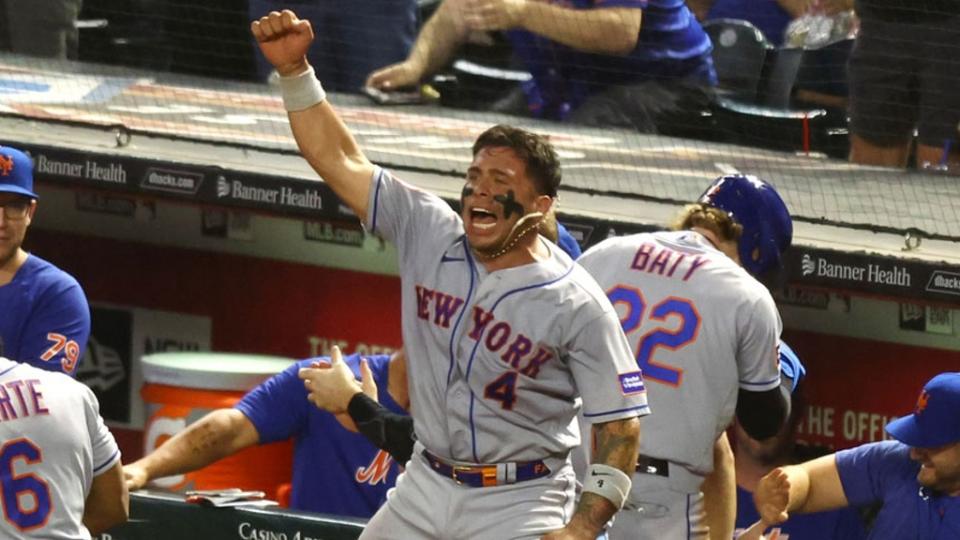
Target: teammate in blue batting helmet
(758, 208)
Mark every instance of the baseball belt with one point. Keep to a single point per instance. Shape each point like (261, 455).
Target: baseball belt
(650, 465)
(487, 475)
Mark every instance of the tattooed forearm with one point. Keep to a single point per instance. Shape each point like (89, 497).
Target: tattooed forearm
(615, 444)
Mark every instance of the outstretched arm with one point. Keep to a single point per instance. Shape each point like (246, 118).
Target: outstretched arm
(321, 135)
(616, 447)
(436, 43)
(217, 435)
(613, 30)
(813, 486)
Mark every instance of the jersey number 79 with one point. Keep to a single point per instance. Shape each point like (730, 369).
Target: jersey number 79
(26, 498)
(673, 338)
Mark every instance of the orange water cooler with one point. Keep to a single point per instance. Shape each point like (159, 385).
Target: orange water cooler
(180, 388)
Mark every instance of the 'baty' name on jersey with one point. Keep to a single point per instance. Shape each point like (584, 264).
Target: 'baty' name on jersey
(517, 349)
(657, 259)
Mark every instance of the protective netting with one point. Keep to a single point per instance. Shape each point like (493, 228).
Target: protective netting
(191, 70)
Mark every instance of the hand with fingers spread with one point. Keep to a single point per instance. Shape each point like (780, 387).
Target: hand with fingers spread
(772, 497)
(491, 15)
(284, 40)
(331, 387)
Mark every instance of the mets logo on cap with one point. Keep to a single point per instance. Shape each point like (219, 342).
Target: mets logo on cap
(16, 172)
(6, 164)
(922, 401)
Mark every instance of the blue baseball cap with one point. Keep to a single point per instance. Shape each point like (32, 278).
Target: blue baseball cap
(567, 242)
(790, 366)
(936, 418)
(16, 172)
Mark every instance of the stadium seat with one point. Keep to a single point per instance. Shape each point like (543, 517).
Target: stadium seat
(780, 77)
(800, 104)
(739, 54)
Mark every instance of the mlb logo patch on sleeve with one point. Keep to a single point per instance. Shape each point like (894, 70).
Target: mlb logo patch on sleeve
(631, 383)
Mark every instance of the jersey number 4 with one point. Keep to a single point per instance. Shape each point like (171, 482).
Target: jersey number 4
(503, 389)
(672, 337)
(26, 498)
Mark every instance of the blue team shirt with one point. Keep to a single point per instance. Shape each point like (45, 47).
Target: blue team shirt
(884, 473)
(843, 524)
(44, 317)
(334, 471)
(671, 45)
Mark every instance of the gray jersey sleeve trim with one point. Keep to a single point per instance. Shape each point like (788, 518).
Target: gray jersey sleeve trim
(378, 174)
(643, 409)
(113, 459)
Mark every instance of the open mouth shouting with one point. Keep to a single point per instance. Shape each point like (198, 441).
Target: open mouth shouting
(482, 219)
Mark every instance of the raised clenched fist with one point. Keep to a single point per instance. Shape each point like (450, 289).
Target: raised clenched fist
(284, 40)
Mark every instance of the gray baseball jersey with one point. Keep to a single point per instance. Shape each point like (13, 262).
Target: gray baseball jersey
(498, 360)
(54, 444)
(701, 328)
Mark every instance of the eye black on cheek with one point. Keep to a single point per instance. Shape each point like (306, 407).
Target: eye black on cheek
(510, 204)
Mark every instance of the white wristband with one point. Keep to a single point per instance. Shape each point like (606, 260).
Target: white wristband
(608, 482)
(301, 91)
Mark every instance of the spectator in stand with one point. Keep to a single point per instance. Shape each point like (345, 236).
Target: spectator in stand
(754, 459)
(904, 76)
(44, 316)
(353, 38)
(592, 61)
(915, 479)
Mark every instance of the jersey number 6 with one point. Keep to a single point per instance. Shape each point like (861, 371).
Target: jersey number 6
(20, 489)
(660, 336)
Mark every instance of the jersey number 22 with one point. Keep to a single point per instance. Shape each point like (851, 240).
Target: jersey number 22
(672, 338)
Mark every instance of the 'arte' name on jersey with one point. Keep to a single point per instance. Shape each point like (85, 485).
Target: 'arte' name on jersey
(25, 395)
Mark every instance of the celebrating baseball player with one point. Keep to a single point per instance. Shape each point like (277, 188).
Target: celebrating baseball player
(912, 482)
(705, 334)
(59, 465)
(504, 333)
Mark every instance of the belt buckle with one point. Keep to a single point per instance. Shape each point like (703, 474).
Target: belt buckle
(454, 469)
